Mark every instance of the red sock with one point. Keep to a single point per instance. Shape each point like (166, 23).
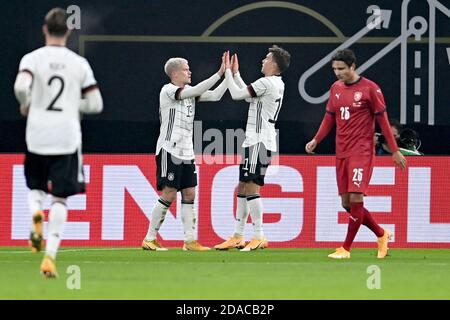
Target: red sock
(354, 222)
(370, 223)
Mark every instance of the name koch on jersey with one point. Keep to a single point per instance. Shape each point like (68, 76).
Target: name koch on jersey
(177, 123)
(60, 76)
(267, 93)
(355, 107)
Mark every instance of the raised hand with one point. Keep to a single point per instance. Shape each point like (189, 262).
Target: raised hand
(227, 60)
(222, 66)
(234, 64)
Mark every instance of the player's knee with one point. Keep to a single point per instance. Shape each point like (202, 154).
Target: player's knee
(188, 194)
(169, 194)
(345, 202)
(59, 200)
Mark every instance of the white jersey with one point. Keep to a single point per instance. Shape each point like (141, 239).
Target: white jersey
(59, 78)
(177, 123)
(267, 93)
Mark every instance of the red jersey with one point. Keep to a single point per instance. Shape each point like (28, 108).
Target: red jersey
(354, 107)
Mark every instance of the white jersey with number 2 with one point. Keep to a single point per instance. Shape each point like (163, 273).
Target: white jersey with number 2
(60, 76)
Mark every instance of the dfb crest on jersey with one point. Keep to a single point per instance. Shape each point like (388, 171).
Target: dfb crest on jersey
(357, 96)
(171, 176)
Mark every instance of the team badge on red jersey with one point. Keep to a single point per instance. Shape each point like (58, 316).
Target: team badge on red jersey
(357, 96)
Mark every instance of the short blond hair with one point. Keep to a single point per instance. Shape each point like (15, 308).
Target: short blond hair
(173, 64)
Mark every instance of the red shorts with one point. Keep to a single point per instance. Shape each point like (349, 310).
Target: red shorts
(353, 173)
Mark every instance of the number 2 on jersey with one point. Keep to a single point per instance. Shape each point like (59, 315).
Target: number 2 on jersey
(52, 107)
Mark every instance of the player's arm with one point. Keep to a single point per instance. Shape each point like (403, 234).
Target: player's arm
(237, 75)
(239, 81)
(92, 101)
(241, 84)
(203, 86)
(22, 90)
(214, 95)
(23, 83)
(235, 69)
(325, 128)
(383, 121)
(378, 106)
(236, 92)
(199, 89)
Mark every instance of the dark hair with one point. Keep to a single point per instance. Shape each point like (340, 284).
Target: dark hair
(396, 124)
(281, 57)
(393, 123)
(408, 139)
(56, 22)
(347, 56)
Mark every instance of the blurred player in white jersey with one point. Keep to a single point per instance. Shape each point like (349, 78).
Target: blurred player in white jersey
(53, 86)
(265, 96)
(175, 151)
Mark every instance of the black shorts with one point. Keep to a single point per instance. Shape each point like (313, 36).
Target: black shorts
(59, 175)
(254, 164)
(175, 173)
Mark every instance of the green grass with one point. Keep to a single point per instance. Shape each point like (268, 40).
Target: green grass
(129, 273)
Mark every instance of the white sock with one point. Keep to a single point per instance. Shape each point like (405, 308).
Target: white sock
(242, 212)
(188, 219)
(56, 220)
(36, 200)
(256, 211)
(158, 216)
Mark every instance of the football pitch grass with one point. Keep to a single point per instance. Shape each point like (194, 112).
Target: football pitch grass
(270, 274)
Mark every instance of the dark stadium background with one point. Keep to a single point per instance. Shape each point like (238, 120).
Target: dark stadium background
(130, 74)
